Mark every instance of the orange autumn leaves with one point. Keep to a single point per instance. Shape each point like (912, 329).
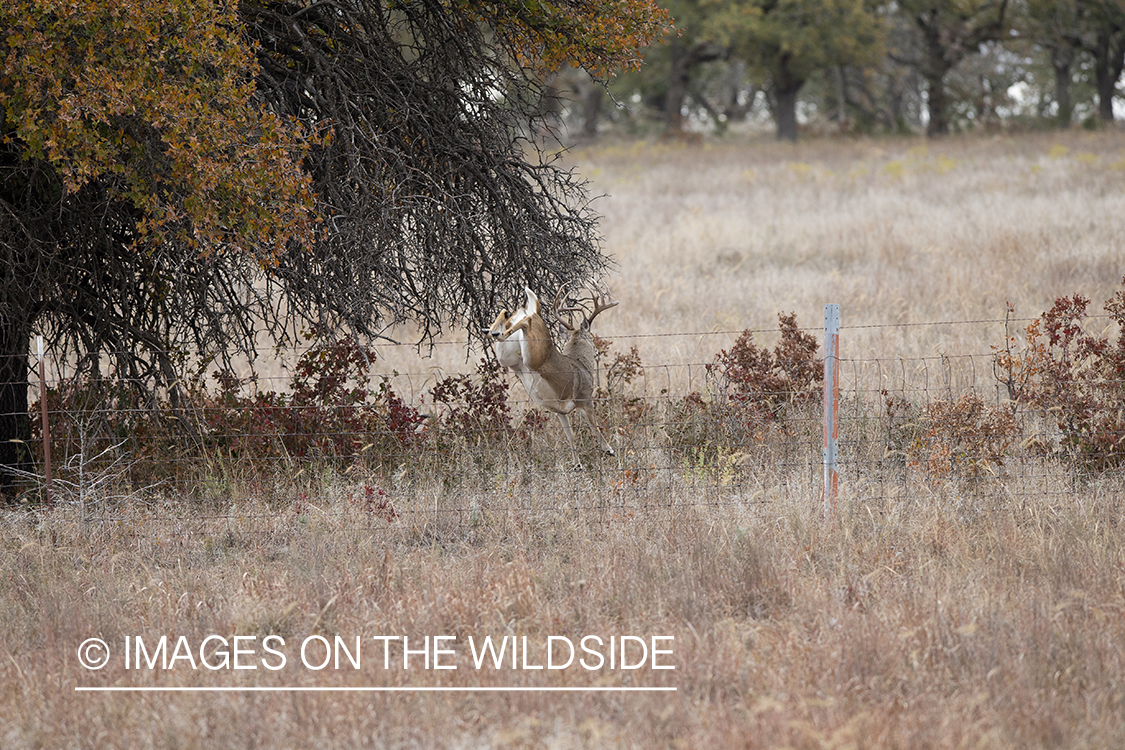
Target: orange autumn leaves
(154, 102)
(601, 36)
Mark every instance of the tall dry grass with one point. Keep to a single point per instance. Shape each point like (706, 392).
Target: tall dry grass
(911, 624)
(984, 612)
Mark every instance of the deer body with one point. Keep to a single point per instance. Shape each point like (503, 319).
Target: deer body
(560, 382)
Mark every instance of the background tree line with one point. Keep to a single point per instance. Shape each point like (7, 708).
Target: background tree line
(933, 66)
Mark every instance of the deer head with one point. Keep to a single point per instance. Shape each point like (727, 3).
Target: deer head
(522, 335)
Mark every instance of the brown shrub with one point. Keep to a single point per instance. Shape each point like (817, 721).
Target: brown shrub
(1075, 378)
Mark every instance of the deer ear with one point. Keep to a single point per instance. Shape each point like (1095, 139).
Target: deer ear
(532, 302)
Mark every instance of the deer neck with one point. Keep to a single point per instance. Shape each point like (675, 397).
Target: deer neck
(580, 347)
(536, 345)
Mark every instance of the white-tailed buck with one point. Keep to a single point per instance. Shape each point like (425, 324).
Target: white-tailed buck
(558, 381)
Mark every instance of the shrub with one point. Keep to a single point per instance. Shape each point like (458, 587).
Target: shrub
(755, 380)
(1075, 378)
(95, 422)
(900, 427)
(475, 406)
(963, 438)
(330, 411)
(751, 392)
(625, 409)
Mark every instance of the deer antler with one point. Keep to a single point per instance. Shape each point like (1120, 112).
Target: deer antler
(601, 300)
(568, 323)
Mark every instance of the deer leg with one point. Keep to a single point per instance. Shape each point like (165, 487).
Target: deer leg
(597, 433)
(564, 420)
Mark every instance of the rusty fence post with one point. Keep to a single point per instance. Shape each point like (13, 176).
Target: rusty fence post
(831, 405)
(48, 497)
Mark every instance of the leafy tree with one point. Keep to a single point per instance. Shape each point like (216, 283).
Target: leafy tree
(979, 87)
(1056, 25)
(787, 41)
(1103, 37)
(666, 84)
(887, 94)
(141, 189)
(1070, 28)
(692, 47)
(949, 30)
(178, 177)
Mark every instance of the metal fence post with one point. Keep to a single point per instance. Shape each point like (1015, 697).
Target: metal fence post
(831, 405)
(48, 498)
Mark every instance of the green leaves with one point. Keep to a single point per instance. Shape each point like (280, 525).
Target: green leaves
(803, 35)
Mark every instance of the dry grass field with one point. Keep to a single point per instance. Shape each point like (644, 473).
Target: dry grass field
(943, 614)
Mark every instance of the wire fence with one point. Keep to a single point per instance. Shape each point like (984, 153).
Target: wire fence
(743, 428)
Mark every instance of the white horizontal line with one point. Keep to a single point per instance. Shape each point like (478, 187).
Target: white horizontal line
(438, 689)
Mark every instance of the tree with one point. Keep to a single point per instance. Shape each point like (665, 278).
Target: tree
(887, 95)
(178, 177)
(786, 41)
(665, 84)
(1104, 39)
(1056, 26)
(1070, 27)
(141, 190)
(949, 30)
(692, 47)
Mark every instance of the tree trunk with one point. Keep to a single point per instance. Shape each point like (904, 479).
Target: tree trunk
(1061, 57)
(785, 112)
(684, 59)
(734, 109)
(937, 60)
(937, 105)
(1109, 60)
(591, 108)
(677, 89)
(15, 423)
(785, 89)
(841, 97)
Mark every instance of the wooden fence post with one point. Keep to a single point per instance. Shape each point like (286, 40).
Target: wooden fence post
(831, 405)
